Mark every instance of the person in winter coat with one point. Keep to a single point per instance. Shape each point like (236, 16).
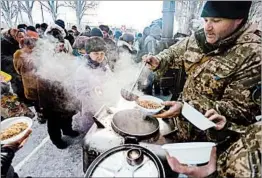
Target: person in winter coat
(86, 32)
(24, 66)
(89, 77)
(58, 33)
(68, 36)
(151, 47)
(79, 48)
(112, 53)
(9, 44)
(141, 47)
(75, 31)
(53, 99)
(125, 44)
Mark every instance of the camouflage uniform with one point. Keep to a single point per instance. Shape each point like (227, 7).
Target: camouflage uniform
(220, 77)
(243, 158)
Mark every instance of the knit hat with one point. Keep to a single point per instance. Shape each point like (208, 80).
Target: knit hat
(155, 30)
(95, 44)
(80, 42)
(96, 32)
(128, 37)
(227, 9)
(117, 34)
(104, 28)
(61, 23)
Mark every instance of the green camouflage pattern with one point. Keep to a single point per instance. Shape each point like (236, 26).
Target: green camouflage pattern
(243, 158)
(222, 79)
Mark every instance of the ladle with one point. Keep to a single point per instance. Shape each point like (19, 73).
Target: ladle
(128, 94)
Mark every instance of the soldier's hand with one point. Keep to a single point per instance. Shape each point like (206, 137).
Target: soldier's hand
(194, 171)
(174, 110)
(220, 120)
(152, 61)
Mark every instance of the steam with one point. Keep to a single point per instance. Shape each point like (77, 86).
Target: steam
(91, 87)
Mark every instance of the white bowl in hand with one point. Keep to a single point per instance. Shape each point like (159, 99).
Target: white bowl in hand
(9, 122)
(190, 152)
(150, 98)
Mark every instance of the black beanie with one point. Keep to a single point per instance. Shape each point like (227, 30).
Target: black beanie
(227, 9)
(95, 44)
(60, 23)
(96, 32)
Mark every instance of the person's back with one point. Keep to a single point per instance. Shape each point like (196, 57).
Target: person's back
(142, 51)
(150, 43)
(24, 66)
(111, 53)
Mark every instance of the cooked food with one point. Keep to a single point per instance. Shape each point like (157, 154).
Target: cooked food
(148, 104)
(13, 130)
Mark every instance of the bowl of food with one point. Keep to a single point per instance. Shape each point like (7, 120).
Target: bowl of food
(13, 129)
(190, 152)
(149, 104)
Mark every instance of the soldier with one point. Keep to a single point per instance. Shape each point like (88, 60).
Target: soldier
(222, 62)
(241, 159)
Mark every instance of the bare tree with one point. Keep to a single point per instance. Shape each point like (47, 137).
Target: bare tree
(185, 13)
(9, 10)
(80, 7)
(27, 7)
(52, 7)
(42, 12)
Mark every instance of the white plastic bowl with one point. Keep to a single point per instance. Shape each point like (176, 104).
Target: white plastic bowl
(190, 152)
(150, 98)
(10, 121)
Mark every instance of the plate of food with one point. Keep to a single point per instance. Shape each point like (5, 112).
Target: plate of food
(13, 129)
(149, 104)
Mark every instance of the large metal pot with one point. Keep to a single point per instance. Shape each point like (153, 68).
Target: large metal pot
(128, 160)
(134, 123)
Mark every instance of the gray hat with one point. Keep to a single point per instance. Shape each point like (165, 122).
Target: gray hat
(95, 44)
(80, 42)
(128, 37)
(155, 30)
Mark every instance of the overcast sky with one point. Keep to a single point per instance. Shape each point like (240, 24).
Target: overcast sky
(136, 14)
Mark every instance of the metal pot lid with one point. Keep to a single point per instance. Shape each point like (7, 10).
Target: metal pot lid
(134, 122)
(126, 161)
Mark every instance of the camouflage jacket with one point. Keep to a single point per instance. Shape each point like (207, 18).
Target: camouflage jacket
(222, 77)
(243, 158)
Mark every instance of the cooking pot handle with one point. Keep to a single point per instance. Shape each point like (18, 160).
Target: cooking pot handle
(131, 140)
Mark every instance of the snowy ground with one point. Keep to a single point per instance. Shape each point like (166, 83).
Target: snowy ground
(40, 158)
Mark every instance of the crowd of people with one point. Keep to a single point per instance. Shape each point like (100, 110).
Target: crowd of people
(222, 62)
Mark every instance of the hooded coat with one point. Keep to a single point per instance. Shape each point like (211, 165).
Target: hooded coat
(67, 45)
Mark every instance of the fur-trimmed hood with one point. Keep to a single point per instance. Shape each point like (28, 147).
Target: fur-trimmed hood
(52, 26)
